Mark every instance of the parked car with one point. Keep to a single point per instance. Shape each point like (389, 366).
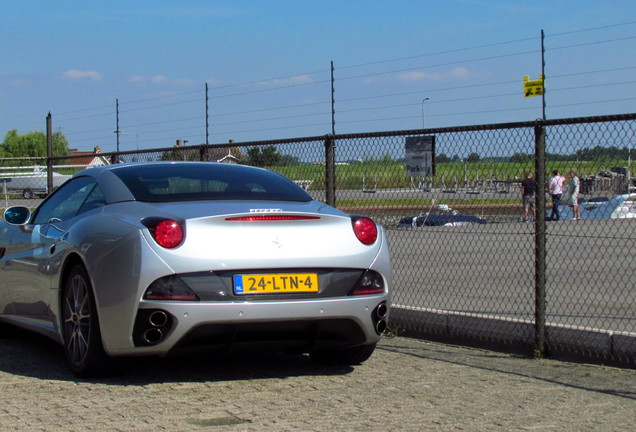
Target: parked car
(150, 258)
(31, 185)
(618, 207)
(441, 215)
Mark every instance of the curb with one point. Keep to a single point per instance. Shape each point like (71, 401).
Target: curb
(578, 343)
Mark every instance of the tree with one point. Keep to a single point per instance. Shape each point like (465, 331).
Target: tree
(32, 144)
(473, 157)
(387, 159)
(179, 155)
(266, 156)
(521, 158)
(287, 160)
(599, 153)
(442, 158)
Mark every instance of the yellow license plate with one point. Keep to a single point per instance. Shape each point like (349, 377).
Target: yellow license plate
(275, 283)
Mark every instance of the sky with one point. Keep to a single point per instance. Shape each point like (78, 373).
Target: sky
(210, 71)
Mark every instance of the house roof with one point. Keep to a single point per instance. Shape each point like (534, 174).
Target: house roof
(87, 158)
(225, 154)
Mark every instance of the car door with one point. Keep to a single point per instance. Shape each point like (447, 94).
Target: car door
(6, 232)
(33, 257)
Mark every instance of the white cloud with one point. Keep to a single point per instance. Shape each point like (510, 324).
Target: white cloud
(459, 73)
(159, 79)
(281, 82)
(136, 79)
(183, 82)
(300, 79)
(78, 75)
(213, 81)
(417, 76)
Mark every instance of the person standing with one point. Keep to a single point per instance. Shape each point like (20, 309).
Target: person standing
(556, 191)
(528, 192)
(573, 195)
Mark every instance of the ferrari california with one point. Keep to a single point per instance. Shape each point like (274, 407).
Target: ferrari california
(154, 258)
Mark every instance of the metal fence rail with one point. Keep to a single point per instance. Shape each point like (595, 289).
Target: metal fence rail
(542, 285)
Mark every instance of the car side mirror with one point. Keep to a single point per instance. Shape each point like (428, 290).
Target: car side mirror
(17, 215)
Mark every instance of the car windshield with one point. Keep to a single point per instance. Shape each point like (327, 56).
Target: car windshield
(207, 181)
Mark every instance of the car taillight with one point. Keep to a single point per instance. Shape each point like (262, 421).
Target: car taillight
(365, 230)
(170, 288)
(371, 282)
(168, 233)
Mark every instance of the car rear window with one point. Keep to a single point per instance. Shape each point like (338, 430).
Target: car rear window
(207, 181)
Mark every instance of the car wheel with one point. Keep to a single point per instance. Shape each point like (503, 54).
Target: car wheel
(82, 338)
(27, 194)
(344, 357)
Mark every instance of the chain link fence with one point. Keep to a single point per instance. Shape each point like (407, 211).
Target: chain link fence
(520, 279)
(469, 263)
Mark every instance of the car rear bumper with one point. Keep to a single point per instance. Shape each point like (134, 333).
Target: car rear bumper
(299, 325)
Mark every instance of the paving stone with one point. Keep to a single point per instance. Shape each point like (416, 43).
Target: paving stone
(407, 385)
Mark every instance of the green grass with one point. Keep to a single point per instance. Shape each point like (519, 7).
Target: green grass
(419, 202)
(392, 174)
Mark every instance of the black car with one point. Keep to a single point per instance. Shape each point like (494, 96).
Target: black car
(442, 215)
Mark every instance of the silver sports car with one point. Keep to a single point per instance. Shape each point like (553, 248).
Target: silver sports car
(151, 258)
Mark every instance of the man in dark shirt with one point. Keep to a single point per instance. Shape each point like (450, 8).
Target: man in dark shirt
(528, 192)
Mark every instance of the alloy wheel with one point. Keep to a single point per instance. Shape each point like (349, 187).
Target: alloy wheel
(77, 320)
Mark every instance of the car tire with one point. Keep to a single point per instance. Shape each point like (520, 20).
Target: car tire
(343, 357)
(27, 194)
(80, 327)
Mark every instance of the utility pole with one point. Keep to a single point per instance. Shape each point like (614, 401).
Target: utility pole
(423, 100)
(207, 117)
(49, 153)
(117, 122)
(333, 104)
(543, 70)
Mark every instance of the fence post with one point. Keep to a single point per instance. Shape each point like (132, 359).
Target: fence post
(49, 153)
(540, 252)
(330, 171)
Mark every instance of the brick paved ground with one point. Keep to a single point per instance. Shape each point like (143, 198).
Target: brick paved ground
(408, 385)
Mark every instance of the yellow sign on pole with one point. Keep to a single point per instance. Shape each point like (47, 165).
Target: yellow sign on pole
(534, 87)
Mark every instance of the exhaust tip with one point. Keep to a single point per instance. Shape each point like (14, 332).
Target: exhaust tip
(152, 326)
(153, 336)
(381, 310)
(380, 327)
(378, 317)
(158, 318)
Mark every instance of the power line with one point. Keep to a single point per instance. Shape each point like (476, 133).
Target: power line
(593, 29)
(286, 84)
(590, 43)
(440, 65)
(436, 53)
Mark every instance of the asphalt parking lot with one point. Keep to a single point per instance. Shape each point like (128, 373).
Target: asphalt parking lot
(407, 385)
